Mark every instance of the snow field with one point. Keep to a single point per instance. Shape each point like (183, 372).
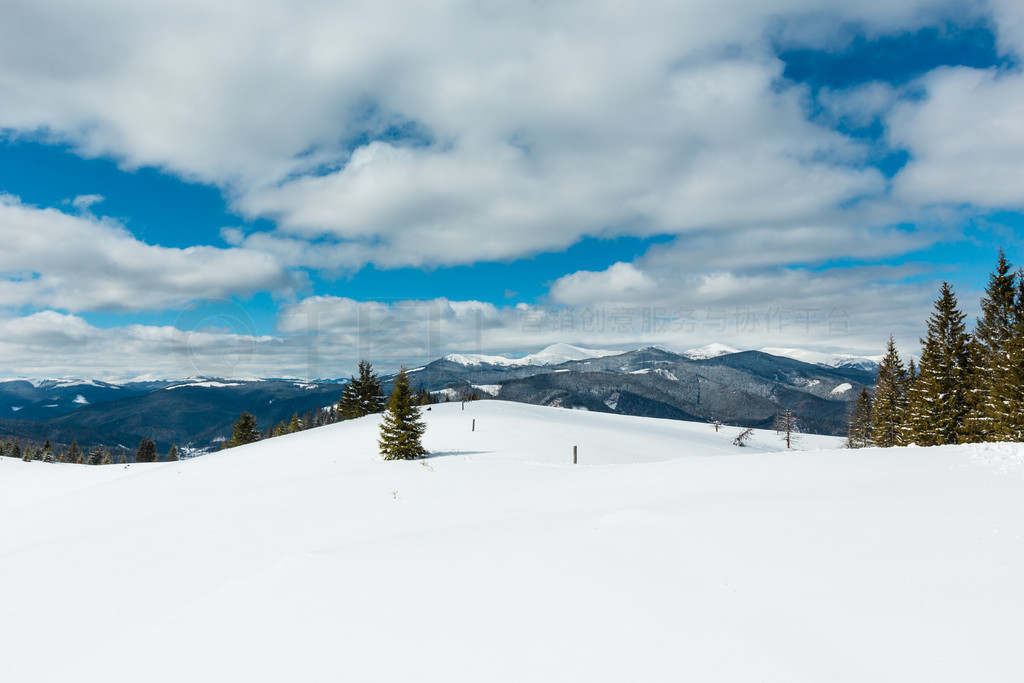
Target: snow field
(668, 554)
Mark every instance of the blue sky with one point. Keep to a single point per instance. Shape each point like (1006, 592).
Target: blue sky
(327, 183)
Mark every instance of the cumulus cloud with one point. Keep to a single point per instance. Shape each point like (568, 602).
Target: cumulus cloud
(409, 134)
(965, 139)
(55, 260)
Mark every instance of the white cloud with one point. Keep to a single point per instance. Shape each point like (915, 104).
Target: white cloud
(55, 260)
(535, 124)
(965, 138)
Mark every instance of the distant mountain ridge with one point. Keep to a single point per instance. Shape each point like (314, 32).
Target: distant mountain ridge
(715, 382)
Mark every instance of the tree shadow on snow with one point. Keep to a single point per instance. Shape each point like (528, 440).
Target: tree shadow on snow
(445, 454)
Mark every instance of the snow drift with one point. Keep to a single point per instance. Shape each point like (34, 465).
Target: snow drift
(667, 554)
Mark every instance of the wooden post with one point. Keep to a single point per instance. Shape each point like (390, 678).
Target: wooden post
(574, 454)
(474, 424)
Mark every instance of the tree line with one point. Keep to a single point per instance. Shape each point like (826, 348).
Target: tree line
(401, 429)
(968, 386)
(97, 455)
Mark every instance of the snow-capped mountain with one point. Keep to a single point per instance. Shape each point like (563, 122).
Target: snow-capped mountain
(552, 355)
(713, 350)
(829, 360)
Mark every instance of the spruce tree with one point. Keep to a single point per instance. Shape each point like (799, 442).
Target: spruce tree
(73, 452)
(402, 428)
(172, 455)
(362, 395)
(95, 455)
(990, 348)
(244, 431)
(146, 452)
(858, 434)
(889, 404)
(939, 400)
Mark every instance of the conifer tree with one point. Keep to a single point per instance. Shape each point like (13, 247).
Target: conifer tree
(172, 455)
(889, 404)
(402, 428)
(146, 452)
(858, 434)
(993, 337)
(362, 395)
(939, 401)
(73, 452)
(280, 430)
(107, 460)
(16, 449)
(244, 431)
(95, 455)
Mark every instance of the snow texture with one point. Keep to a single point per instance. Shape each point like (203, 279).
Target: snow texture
(667, 554)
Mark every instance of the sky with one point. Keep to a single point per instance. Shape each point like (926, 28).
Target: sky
(282, 188)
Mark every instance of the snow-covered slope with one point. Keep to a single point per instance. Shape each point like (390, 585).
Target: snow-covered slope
(552, 355)
(667, 554)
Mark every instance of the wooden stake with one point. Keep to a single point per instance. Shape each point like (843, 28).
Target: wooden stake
(474, 424)
(574, 454)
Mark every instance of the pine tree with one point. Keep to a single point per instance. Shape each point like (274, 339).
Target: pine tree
(859, 432)
(280, 430)
(401, 428)
(146, 452)
(95, 455)
(889, 404)
(362, 395)
(244, 431)
(73, 452)
(786, 425)
(107, 460)
(172, 455)
(939, 400)
(990, 350)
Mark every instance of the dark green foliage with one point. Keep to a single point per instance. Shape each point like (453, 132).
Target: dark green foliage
(172, 455)
(859, 434)
(402, 428)
(244, 431)
(96, 455)
(362, 395)
(939, 403)
(889, 404)
(146, 452)
(73, 452)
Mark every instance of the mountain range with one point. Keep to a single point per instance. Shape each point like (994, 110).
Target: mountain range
(712, 383)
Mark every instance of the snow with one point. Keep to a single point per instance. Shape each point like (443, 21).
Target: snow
(831, 360)
(666, 554)
(713, 350)
(207, 383)
(552, 355)
(841, 389)
(492, 389)
(16, 408)
(81, 400)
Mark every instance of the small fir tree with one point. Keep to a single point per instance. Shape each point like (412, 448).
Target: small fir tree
(858, 434)
(146, 452)
(939, 401)
(889, 404)
(172, 455)
(244, 431)
(401, 429)
(362, 395)
(73, 451)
